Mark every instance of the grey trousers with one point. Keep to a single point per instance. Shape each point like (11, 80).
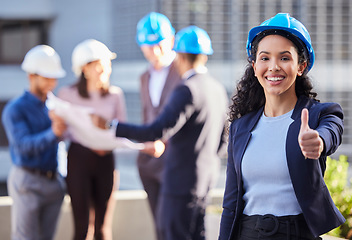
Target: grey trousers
(36, 204)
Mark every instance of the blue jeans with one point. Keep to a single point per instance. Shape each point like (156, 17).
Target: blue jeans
(36, 204)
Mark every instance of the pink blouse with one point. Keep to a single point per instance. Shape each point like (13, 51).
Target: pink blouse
(111, 106)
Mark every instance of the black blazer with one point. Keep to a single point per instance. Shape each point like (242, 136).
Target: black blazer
(306, 175)
(193, 121)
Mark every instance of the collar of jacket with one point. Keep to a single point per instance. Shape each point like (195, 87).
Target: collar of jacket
(245, 125)
(252, 118)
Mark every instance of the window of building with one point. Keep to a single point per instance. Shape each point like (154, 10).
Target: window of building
(18, 36)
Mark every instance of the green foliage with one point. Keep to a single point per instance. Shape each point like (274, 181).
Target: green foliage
(336, 179)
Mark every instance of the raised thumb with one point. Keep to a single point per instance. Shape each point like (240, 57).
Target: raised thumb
(304, 120)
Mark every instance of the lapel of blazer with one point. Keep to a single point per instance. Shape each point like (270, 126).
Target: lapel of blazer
(242, 137)
(295, 159)
(145, 87)
(293, 152)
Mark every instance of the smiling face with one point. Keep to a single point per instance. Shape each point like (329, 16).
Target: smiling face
(276, 67)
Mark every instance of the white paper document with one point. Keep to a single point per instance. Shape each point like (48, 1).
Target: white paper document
(82, 129)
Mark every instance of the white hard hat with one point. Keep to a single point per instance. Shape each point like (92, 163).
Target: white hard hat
(44, 61)
(88, 51)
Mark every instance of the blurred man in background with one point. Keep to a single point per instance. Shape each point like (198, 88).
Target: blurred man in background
(155, 36)
(36, 188)
(193, 121)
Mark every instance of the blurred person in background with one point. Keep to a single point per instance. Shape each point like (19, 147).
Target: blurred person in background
(279, 139)
(36, 188)
(193, 123)
(155, 36)
(91, 172)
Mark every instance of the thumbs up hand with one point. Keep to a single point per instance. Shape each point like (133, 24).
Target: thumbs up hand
(309, 140)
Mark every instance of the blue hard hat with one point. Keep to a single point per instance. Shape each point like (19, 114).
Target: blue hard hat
(283, 21)
(153, 28)
(193, 40)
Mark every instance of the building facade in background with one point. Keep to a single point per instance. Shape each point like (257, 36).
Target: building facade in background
(228, 22)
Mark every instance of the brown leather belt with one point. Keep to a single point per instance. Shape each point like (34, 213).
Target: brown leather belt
(51, 175)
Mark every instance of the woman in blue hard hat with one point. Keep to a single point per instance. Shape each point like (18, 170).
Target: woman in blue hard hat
(279, 139)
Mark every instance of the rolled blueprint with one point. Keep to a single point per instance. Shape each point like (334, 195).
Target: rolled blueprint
(82, 129)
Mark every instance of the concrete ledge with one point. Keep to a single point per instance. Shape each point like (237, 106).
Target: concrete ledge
(132, 218)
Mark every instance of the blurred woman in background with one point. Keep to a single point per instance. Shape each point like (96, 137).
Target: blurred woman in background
(91, 172)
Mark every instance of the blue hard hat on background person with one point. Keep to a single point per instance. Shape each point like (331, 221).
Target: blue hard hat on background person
(153, 28)
(283, 21)
(193, 40)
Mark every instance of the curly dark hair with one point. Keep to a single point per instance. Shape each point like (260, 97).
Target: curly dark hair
(249, 95)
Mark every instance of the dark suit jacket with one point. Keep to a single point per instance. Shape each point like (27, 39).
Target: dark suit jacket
(306, 175)
(193, 120)
(149, 166)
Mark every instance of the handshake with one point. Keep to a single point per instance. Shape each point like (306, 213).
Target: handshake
(155, 149)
